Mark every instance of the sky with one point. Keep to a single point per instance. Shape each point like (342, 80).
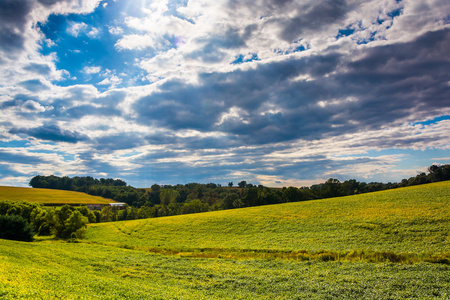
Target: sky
(273, 92)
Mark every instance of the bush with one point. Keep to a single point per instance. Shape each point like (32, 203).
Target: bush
(14, 227)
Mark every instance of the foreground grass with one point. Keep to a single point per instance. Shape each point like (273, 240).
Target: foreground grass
(406, 220)
(49, 196)
(59, 270)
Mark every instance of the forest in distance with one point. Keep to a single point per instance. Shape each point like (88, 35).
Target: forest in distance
(195, 197)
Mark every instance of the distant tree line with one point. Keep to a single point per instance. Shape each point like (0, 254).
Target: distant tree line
(195, 197)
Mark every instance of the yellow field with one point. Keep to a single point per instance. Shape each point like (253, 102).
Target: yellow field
(49, 196)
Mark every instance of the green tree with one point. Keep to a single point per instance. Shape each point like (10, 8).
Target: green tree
(14, 227)
(87, 213)
(291, 194)
(168, 196)
(76, 223)
(228, 201)
(194, 206)
(106, 214)
(60, 218)
(242, 184)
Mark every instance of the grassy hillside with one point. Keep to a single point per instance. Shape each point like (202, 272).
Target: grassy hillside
(58, 270)
(413, 219)
(116, 261)
(49, 196)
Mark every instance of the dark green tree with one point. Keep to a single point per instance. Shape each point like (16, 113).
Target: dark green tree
(14, 227)
(242, 184)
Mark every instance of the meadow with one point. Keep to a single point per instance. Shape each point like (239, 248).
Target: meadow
(57, 270)
(49, 196)
(387, 245)
(411, 220)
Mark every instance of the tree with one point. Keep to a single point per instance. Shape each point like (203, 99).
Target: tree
(106, 214)
(251, 198)
(76, 223)
(292, 194)
(332, 188)
(194, 206)
(242, 184)
(168, 196)
(228, 201)
(230, 184)
(156, 188)
(16, 228)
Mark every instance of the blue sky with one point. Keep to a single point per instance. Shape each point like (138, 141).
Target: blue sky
(279, 93)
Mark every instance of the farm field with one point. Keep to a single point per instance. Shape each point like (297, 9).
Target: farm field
(60, 270)
(413, 220)
(268, 252)
(49, 196)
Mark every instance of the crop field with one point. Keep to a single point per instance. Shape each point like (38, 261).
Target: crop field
(49, 196)
(406, 220)
(60, 270)
(386, 245)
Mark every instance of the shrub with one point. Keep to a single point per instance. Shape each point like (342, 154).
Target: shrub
(14, 227)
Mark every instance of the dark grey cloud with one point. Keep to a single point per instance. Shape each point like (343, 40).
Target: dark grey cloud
(95, 165)
(312, 17)
(34, 85)
(386, 84)
(80, 111)
(13, 16)
(8, 157)
(51, 132)
(41, 69)
(179, 106)
(105, 105)
(211, 51)
(51, 2)
(118, 142)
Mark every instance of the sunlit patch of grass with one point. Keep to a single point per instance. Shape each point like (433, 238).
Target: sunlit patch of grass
(407, 220)
(60, 270)
(49, 196)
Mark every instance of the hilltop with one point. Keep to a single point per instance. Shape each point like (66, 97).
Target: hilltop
(49, 196)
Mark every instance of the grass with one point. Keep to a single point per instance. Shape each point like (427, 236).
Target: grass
(406, 220)
(341, 248)
(49, 196)
(57, 270)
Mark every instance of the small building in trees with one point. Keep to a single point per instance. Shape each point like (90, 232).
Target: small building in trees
(118, 205)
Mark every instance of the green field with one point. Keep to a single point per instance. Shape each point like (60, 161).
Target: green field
(49, 196)
(56, 270)
(414, 219)
(268, 252)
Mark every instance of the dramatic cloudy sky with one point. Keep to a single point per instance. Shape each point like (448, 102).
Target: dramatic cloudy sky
(274, 92)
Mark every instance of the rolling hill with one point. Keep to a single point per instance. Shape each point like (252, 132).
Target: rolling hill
(49, 196)
(405, 220)
(270, 252)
